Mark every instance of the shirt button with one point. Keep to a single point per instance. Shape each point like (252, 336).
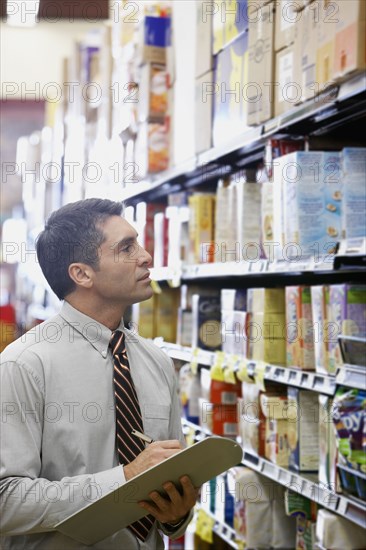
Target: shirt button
(104, 354)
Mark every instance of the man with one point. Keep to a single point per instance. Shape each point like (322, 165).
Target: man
(62, 384)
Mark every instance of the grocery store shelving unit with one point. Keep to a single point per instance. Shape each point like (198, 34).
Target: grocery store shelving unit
(340, 106)
(347, 375)
(305, 484)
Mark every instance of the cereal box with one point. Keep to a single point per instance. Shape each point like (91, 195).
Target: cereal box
(347, 315)
(354, 192)
(319, 299)
(299, 328)
(331, 173)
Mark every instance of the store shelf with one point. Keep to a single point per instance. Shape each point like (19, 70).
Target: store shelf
(306, 484)
(313, 381)
(340, 103)
(352, 376)
(253, 269)
(351, 509)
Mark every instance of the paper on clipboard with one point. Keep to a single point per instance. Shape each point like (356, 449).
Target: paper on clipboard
(201, 462)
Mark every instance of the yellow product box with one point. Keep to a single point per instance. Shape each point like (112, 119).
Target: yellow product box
(152, 147)
(286, 20)
(350, 38)
(266, 300)
(299, 328)
(305, 49)
(269, 350)
(260, 93)
(287, 92)
(277, 448)
(166, 314)
(201, 227)
(268, 325)
(146, 325)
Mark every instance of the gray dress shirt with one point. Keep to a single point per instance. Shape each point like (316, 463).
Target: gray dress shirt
(58, 427)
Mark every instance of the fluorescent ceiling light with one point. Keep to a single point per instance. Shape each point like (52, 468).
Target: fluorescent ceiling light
(22, 13)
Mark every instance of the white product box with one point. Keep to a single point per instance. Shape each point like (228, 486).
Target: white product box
(249, 219)
(203, 112)
(204, 27)
(331, 170)
(354, 192)
(303, 430)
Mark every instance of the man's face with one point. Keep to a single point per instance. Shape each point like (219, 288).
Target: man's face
(123, 275)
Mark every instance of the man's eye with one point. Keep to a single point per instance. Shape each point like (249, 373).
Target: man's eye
(129, 248)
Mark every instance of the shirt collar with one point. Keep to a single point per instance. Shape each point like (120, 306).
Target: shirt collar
(98, 335)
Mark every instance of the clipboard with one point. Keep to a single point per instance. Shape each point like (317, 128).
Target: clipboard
(201, 462)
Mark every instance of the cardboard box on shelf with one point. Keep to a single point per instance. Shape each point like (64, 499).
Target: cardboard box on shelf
(267, 215)
(305, 48)
(277, 448)
(152, 147)
(252, 422)
(271, 351)
(303, 430)
(248, 201)
(260, 90)
(146, 322)
(203, 112)
(153, 91)
(223, 393)
(229, 89)
(319, 307)
(286, 20)
(234, 299)
(350, 46)
(155, 39)
(233, 332)
(287, 92)
(230, 19)
(166, 313)
(334, 531)
(333, 204)
(347, 315)
(326, 44)
(354, 192)
(327, 444)
(269, 300)
(225, 420)
(184, 327)
(206, 332)
(299, 328)
(204, 28)
(201, 227)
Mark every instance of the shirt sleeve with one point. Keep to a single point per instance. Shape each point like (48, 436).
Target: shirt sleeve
(30, 503)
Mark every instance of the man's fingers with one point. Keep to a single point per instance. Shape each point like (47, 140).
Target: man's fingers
(169, 444)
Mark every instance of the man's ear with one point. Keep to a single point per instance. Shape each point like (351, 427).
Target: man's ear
(81, 275)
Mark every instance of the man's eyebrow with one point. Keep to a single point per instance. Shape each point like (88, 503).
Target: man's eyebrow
(126, 240)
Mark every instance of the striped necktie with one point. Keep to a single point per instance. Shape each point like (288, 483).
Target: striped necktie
(128, 418)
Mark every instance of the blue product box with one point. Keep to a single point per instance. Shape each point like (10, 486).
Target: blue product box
(158, 31)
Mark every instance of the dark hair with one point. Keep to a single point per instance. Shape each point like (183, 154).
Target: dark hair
(73, 234)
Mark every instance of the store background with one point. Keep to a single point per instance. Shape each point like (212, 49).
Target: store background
(189, 133)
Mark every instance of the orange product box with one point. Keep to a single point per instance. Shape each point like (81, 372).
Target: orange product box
(224, 393)
(225, 420)
(350, 39)
(299, 328)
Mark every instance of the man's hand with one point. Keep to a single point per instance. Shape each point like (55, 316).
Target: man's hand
(153, 454)
(173, 507)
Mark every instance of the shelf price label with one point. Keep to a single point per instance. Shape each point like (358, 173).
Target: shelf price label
(229, 370)
(204, 526)
(260, 370)
(217, 369)
(242, 372)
